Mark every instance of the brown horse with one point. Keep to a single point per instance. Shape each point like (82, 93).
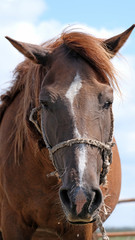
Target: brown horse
(56, 139)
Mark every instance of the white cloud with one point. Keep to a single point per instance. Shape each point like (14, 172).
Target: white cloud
(16, 10)
(29, 32)
(99, 33)
(21, 20)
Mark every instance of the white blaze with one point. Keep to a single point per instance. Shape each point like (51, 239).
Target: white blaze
(70, 95)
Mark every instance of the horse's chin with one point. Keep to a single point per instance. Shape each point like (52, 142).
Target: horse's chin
(79, 221)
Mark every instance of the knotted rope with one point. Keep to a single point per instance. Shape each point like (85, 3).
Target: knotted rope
(106, 151)
(101, 227)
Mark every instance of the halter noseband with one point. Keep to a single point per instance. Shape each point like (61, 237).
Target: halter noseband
(105, 148)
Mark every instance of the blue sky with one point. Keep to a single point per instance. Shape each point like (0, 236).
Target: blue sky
(38, 20)
(108, 14)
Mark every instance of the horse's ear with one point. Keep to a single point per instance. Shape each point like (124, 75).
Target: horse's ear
(34, 52)
(115, 43)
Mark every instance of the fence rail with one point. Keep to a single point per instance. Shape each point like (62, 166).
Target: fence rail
(120, 234)
(126, 200)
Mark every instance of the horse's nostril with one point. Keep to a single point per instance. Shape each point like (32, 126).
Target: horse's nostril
(96, 201)
(65, 198)
(98, 197)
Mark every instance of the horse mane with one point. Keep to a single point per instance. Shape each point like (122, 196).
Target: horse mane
(28, 76)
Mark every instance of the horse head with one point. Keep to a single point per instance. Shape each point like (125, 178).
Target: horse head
(76, 97)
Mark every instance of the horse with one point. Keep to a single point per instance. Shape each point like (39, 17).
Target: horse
(57, 173)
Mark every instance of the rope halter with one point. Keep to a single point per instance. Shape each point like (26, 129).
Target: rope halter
(105, 148)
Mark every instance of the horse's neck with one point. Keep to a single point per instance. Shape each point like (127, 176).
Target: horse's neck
(79, 232)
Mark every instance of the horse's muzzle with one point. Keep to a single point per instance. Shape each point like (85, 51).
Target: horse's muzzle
(80, 206)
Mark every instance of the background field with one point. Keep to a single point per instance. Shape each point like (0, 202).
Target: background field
(120, 238)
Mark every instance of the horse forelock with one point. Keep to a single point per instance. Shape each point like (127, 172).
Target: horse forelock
(91, 49)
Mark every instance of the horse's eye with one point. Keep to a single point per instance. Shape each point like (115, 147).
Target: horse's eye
(107, 105)
(44, 104)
